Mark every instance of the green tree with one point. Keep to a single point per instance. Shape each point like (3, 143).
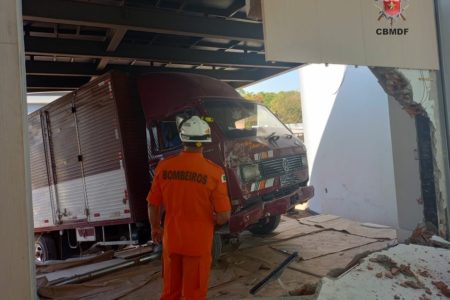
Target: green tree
(286, 105)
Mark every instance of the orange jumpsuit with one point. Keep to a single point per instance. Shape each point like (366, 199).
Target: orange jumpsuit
(190, 188)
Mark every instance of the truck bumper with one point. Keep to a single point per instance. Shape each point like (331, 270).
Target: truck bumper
(242, 219)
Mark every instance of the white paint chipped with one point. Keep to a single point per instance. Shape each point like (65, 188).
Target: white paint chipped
(362, 282)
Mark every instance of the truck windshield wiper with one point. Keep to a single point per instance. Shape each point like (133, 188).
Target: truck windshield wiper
(272, 137)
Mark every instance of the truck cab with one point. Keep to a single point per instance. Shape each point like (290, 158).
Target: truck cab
(266, 166)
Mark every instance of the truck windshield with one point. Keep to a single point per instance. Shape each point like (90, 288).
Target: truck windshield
(244, 119)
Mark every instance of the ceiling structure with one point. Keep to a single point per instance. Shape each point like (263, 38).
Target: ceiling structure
(67, 43)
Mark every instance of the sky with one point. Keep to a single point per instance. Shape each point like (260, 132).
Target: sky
(286, 82)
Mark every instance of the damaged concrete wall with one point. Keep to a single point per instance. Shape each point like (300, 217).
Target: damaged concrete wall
(406, 168)
(348, 136)
(443, 25)
(416, 91)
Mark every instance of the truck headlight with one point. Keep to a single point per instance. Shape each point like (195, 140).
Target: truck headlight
(304, 160)
(250, 172)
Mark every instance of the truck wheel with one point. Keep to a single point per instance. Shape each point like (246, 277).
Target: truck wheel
(45, 248)
(265, 225)
(216, 248)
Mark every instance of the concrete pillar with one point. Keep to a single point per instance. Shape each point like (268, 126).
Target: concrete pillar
(16, 264)
(443, 33)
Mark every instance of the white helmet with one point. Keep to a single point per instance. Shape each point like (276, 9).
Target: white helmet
(193, 130)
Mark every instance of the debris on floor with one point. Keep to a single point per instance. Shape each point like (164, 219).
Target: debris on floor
(326, 245)
(52, 266)
(401, 272)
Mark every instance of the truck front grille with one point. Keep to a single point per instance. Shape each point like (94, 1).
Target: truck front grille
(271, 196)
(281, 166)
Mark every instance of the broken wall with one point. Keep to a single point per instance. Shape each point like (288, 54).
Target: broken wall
(425, 83)
(406, 163)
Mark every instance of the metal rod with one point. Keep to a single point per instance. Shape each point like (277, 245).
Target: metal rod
(80, 154)
(274, 274)
(106, 270)
(129, 231)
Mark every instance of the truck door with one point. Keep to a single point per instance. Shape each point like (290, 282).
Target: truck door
(42, 190)
(63, 154)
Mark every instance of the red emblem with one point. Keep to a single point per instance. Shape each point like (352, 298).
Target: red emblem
(392, 8)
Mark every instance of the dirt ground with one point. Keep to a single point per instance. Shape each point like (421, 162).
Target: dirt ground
(327, 245)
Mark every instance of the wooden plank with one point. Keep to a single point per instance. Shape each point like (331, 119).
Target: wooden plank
(322, 243)
(355, 228)
(137, 251)
(323, 265)
(251, 241)
(319, 219)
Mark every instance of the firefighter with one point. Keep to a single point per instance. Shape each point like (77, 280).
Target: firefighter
(193, 192)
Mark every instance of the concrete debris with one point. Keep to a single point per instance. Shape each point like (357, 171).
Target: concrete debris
(422, 234)
(440, 242)
(424, 273)
(442, 287)
(413, 284)
(401, 272)
(384, 260)
(396, 84)
(306, 289)
(425, 234)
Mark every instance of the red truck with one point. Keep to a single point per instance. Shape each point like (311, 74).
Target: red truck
(93, 154)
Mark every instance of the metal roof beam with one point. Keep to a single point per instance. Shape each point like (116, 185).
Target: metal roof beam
(54, 83)
(47, 68)
(226, 46)
(117, 36)
(235, 7)
(90, 49)
(148, 20)
(44, 68)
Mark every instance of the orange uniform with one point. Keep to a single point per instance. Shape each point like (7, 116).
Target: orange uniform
(190, 188)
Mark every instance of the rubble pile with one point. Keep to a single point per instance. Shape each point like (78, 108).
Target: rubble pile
(401, 272)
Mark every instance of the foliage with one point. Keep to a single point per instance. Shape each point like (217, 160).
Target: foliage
(286, 105)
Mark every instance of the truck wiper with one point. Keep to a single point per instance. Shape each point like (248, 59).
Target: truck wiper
(272, 137)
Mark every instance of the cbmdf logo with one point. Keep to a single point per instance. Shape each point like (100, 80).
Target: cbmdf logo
(392, 11)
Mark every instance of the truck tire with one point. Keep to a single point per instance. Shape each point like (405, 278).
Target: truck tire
(265, 225)
(45, 248)
(216, 248)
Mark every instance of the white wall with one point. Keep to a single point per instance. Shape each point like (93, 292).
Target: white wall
(348, 137)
